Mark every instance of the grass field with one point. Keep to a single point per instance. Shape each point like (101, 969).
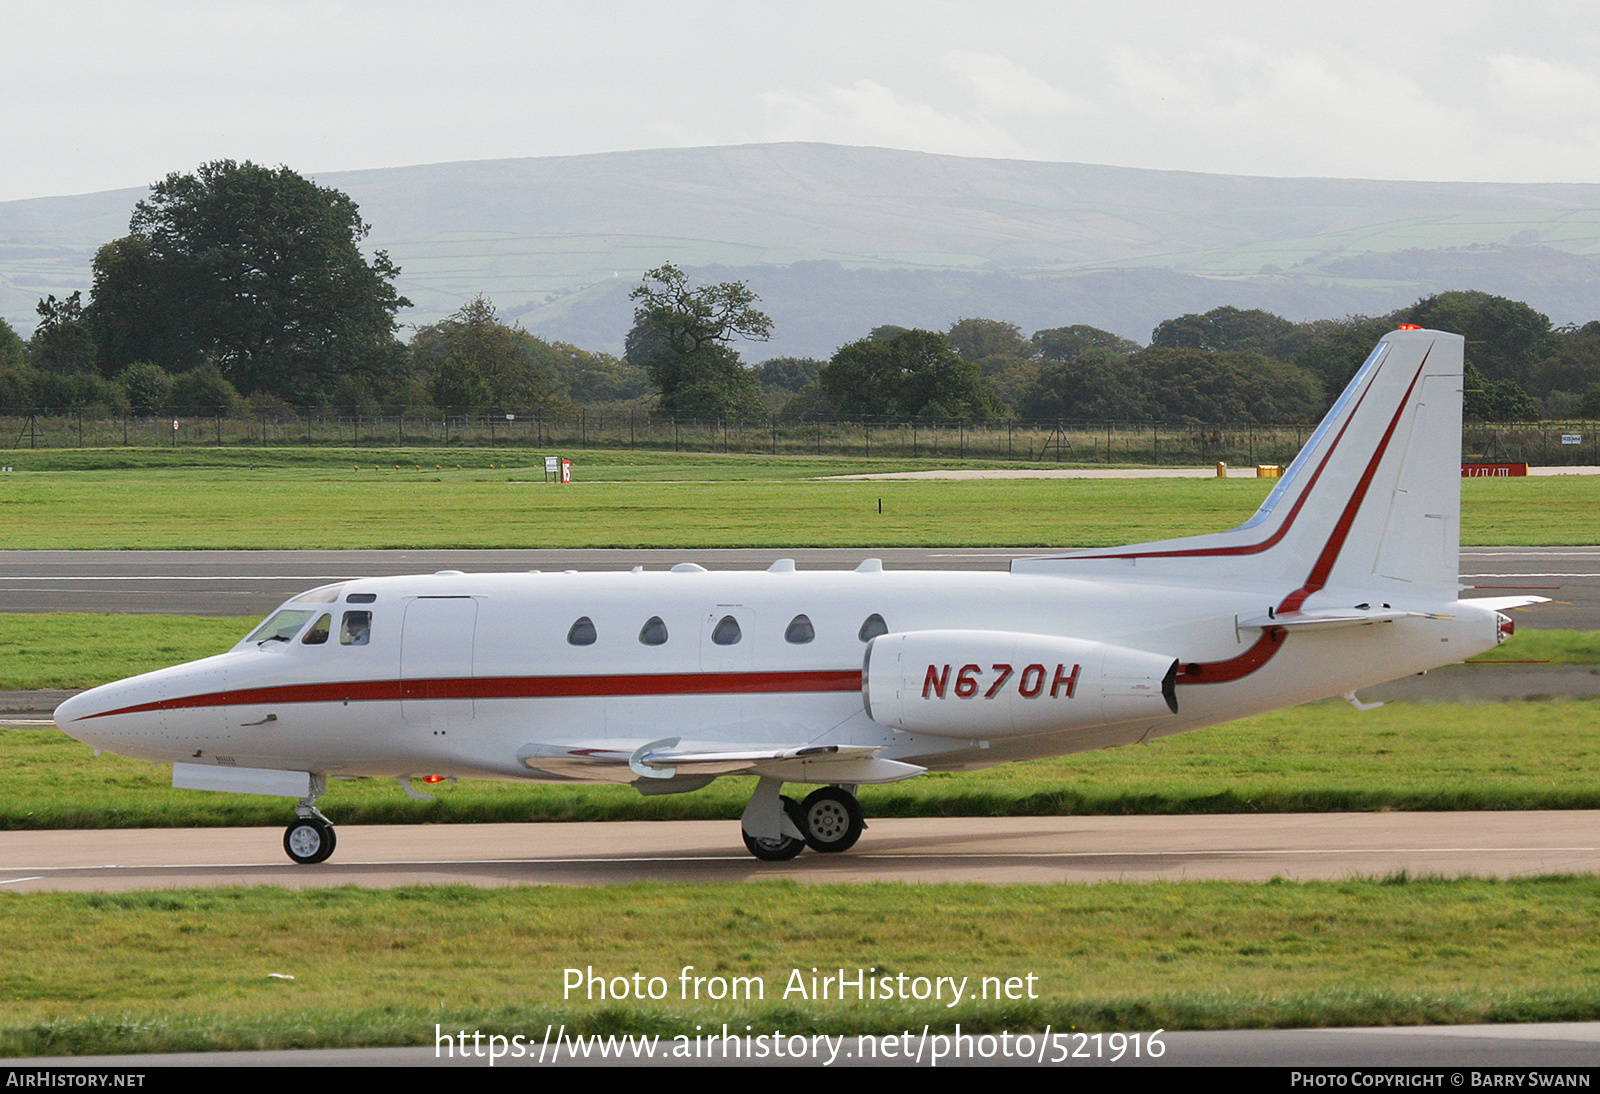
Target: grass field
(293, 498)
(1325, 756)
(187, 970)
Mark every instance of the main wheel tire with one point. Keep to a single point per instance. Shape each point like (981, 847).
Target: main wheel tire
(833, 820)
(309, 840)
(783, 848)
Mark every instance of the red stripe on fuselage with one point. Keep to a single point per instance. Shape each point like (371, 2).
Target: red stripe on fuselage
(515, 687)
(1235, 668)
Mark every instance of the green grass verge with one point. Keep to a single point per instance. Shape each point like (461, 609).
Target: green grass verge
(303, 499)
(84, 649)
(1325, 756)
(1555, 647)
(190, 970)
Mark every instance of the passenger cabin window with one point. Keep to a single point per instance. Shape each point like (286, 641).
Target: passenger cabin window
(800, 631)
(726, 632)
(581, 633)
(872, 627)
(318, 634)
(356, 629)
(654, 632)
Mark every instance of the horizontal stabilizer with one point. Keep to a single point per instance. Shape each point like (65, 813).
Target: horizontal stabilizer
(1501, 603)
(1324, 620)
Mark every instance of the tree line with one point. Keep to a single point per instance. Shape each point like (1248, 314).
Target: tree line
(241, 289)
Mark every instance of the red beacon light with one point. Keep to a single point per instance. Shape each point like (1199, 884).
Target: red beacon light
(1408, 326)
(433, 778)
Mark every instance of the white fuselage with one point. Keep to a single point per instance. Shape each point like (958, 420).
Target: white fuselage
(475, 675)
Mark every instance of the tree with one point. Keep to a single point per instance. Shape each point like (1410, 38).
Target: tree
(148, 386)
(1575, 364)
(912, 375)
(1096, 385)
(976, 339)
(13, 351)
(1505, 338)
(62, 342)
(1066, 343)
(1485, 400)
(681, 336)
(473, 361)
(18, 379)
(1229, 329)
(1200, 386)
(790, 374)
(256, 270)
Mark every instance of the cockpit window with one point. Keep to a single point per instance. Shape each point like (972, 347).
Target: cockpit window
(871, 627)
(281, 627)
(581, 633)
(654, 632)
(318, 634)
(356, 629)
(326, 594)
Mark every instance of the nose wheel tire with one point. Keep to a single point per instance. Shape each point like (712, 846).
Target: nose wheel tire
(832, 820)
(783, 848)
(309, 840)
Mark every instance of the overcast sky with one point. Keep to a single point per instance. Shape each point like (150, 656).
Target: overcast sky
(100, 95)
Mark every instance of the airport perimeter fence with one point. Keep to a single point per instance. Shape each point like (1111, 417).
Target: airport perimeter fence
(1055, 441)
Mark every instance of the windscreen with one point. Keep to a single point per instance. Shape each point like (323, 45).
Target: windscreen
(281, 627)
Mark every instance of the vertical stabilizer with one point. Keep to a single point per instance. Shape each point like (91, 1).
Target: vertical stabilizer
(1372, 502)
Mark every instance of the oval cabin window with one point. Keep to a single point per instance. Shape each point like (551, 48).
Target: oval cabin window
(581, 632)
(726, 632)
(872, 627)
(800, 631)
(654, 632)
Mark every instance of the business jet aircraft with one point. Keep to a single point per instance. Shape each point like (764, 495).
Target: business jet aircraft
(1344, 578)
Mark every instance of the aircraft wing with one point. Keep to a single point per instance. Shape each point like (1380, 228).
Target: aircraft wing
(615, 761)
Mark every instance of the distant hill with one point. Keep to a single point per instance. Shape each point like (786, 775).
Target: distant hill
(838, 240)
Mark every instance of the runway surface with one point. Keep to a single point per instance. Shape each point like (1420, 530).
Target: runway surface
(255, 582)
(1040, 850)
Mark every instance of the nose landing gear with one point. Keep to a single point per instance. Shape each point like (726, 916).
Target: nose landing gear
(310, 839)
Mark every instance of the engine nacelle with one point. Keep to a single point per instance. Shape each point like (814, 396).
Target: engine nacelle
(977, 685)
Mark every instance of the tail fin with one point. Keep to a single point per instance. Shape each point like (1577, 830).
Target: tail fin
(1371, 503)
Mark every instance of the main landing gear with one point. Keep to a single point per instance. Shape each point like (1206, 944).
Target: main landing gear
(310, 839)
(776, 828)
